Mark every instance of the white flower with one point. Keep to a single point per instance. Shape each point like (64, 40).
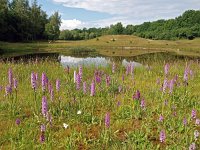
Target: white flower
(196, 134)
(197, 122)
(65, 125)
(79, 112)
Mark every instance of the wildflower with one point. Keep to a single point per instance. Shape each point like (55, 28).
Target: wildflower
(165, 84)
(118, 103)
(113, 67)
(43, 128)
(78, 81)
(119, 88)
(8, 89)
(175, 79)
(196, 134)
(65, 125)
(33, 80)
(184, 121)
(186, 72)
(142, 104)
(18, 121)
(84, 87)
(10, 76)
(171, 86)
(137, 95)
(97, 78)
(36, 76)
(161, 118)
(49, 87)
(58, 85)
(79, 112)
(197, 122)
(80, 72)
(42, 138)
(107, 80)
(193, 114)
(192, 146)
(127, 69)
(132, 68)
(15, 83)
(107, 120)
(162, 136)
(166, 69)
(44, 80)
(52, 95)
(92, 89)
(44, 106)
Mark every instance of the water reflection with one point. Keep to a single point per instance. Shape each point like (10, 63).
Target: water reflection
(73, 61)
(96, 61)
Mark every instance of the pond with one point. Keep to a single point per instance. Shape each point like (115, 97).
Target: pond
(97, 60)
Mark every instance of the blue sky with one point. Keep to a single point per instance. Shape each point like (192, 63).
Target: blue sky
(101, 13)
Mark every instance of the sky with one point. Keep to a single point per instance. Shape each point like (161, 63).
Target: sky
(102, 13)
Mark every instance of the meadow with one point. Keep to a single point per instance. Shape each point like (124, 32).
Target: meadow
(47, 106)
(109, 45)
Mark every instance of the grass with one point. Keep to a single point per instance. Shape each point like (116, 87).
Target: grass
(123, 45)
(131, 126)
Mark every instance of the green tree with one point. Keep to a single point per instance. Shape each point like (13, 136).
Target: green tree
(117, 28)
(20, 10)
(38, 19)
(3, 18)
(52, 29)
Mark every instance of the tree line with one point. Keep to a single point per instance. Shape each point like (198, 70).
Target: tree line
(85, 34)
(21, 21)
(186, 26)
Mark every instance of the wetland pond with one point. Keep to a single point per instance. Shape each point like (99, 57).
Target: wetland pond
(97, 59)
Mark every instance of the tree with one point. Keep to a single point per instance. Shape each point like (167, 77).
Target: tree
(3, 18)
(20, 11)
(117, 28)
(38, 20)
(130, 29)
(52, 29)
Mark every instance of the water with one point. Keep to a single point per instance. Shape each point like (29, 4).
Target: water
(96, 61)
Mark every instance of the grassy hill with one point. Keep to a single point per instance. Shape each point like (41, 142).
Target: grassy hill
(109, 45)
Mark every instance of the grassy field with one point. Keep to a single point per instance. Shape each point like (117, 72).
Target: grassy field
(116, 45)
(113, 115)
(46, 106)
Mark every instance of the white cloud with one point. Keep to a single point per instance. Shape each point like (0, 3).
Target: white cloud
(132, 11)
(138, 7)
(71, 24)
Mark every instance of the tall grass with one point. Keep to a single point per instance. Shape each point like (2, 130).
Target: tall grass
(76, 120)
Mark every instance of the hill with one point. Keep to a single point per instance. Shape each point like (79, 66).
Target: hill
(109, 45)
